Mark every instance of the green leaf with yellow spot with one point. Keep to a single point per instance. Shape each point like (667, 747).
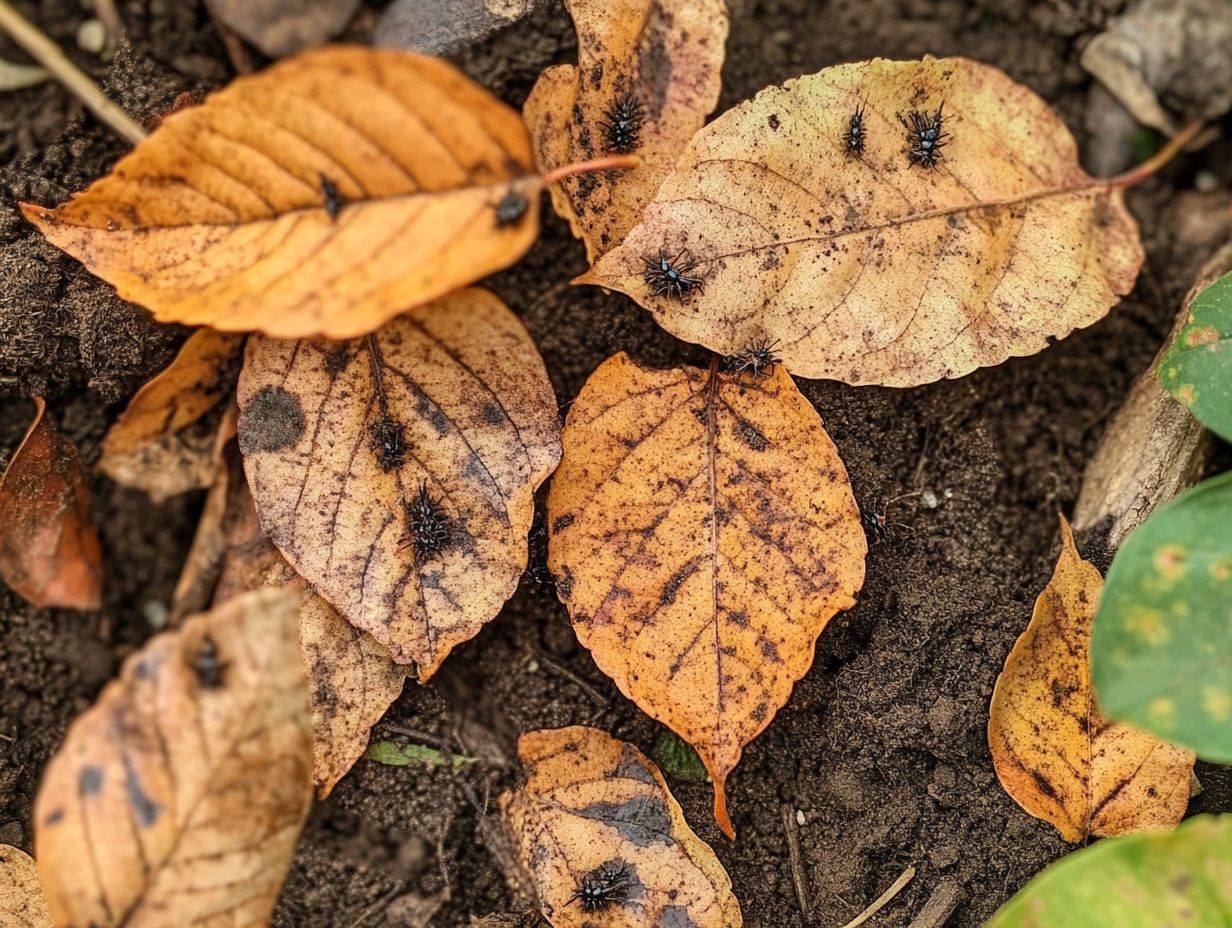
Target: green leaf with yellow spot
(1149, 880)
(1197, 367)
(1161, 649)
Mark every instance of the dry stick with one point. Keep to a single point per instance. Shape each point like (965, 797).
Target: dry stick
(798, 877)
(109, 16)
(562, 671)
(48, 54)
(895, 888)
(1152, 164)
(940, 905)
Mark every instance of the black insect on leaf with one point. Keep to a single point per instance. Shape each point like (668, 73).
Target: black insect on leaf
(623, 125)
(429, 530)
(606, 884)
(208, 668)
(758, 358)
(925, 136)
(333, 203)
(671, 277)
(511, 209)
(853, 138)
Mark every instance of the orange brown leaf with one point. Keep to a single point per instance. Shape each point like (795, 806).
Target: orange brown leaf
(894, 264)
(322, 196)
(21, 897)
(703, 532)
(178, 797)
(1053, 752)
(167, 441)
(596, 817)
(648, 74)
(49, 549)
(397, 473)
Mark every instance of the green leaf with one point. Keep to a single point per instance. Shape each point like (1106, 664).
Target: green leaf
(1161, 650)
(401, 755)
(678, 759)
(1197, 368)
(1180, 878)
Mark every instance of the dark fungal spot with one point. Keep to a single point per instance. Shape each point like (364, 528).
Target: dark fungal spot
(206, 665)
(623, 125)
(337, 358)
(428, 529)
(272, 421)
(676, 916)
(925, 137)
(564, 587)
(492, 414)
(144, 808)
(739, 619)
(440, 422)
(758, 713)
(671, 277)
(752, 436)
(90, 781)
(632, 767)
(387, 440)
(1044, 785)
(330, 194)
(562, 521)
(55, 817)
(853, 138)
(773, 121)
(511, 208)
(642, 819)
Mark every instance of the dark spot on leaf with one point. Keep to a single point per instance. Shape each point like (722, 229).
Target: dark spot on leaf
(272, 421)
(333, 204)
(672, 587)
(562, 521)
(752, 436)
(337, 358)
(145, 808)
(774, 121)
(511, 209)
(440, 422)
(206, 665)
(758, 714)
(642, 819)
(1044, 785)
(676, 916)
(631, 766)
(739, 619)
(564, 586)
(90, 782)
(55, 817)
(492, 414)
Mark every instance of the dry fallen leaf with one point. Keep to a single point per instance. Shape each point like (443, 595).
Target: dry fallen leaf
(397, 473)
(167, 441)
(352, 679)
(863, 266)
(178, 798)
(605, 841)
(282, 27)
(442, 27)
(21, 897)
(646, 78)
(322, 196)
(1053, 752)
(703, 532)
(49, 549)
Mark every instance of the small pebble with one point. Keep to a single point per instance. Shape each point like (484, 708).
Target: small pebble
(948, 494)
(156, 614)
(533, 667)
(928, 499)
(92, 37)
(799, 817)
(1206, 182)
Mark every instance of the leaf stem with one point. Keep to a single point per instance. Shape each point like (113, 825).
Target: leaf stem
(1152, 164)
(609, 163)
(48, 54)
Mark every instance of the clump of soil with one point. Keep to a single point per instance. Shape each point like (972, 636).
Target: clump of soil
(882, 747)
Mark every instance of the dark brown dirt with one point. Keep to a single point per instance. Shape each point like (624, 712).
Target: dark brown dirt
(882, 746)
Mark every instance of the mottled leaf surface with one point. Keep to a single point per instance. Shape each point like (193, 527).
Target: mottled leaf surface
(178, 797)
(596, 813)
(1197, 369)
(1179, 878)
(167, 441)
(648, 74)
(866, 267)
(50, 554)
(322, 196)
(21, 896)
(397, 473)
(703, 532)
(1052, 750)
(1162, 644)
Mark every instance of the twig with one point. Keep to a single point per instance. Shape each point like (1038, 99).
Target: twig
(595, 696)
(382, 901)
(234, 46)
(1152, 164)
(883, 899)
(608, 163)
(798, 877)
(109, 16)
(48, 54)
(940, 905)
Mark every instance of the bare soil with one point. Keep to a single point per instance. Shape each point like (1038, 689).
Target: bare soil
(882, 746)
